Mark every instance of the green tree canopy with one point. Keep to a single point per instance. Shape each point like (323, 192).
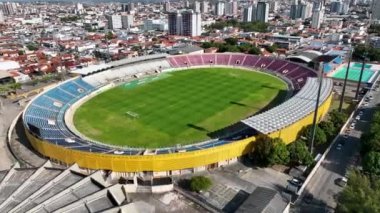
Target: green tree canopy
(272, 48)
(371, 163)
(32, 46)
(200, 183)
(328, 127)
(320, 136)
(231, 41)
(361, 195)
(254, 51)
(256, 26)
(338, 118)
(262, 148)
(361, 50)
(299, 153)
(109, 35)
(279, 153)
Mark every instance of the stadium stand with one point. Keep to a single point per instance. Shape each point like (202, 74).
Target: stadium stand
(303, 103)
(48, 189)
(44, 117)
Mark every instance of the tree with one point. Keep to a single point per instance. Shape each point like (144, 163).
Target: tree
(279, 153)
(231, 41)
(371, 163)
(206, 45)
(109, 35)
(299, 153)
(361, 195)
(338, 118)
(328, 127)
(361, 50)
(262, 148)
(370, 142)
(272, 48)
(320, 136)
(32, 47)
(200, 183)
(254, 51)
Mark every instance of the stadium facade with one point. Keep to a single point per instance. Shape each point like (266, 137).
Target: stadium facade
(48, 117)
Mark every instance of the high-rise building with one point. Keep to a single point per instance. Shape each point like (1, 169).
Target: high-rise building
(187, 4)
(191, 23)
(127, 21)
(8, 8)
(273, 6)
(114, 22)
(128, 7)
(262, 12)
(318, 15)
(167, 6)
(219, 8)
(294, 10)
(157, 24)
(300, 10)
(247, 14)
(230, 7)
(376, 10)
(346, 7)
(197, 7)
(186, 23)
(2, 19)
(174, 23)
(336, 6)
(204, 7)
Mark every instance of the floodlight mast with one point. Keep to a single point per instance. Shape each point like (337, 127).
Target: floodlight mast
(312, 139)
(345, 81)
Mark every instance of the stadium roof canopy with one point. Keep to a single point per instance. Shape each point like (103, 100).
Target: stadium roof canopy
(293, 110)
(100, 67)
(306, 56)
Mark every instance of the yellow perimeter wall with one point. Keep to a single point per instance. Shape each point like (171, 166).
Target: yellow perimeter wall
(290, 133)
(165, 162)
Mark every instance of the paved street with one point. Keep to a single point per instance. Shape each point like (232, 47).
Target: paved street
(322, 186)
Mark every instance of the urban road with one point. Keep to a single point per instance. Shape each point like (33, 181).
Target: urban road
(323, 185)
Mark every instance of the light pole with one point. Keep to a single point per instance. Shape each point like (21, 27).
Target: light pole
(360, 76)
(321, 68)
(345, 80)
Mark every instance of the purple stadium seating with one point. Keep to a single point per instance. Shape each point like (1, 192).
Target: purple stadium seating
(209, 59)
(250, 60)
(276, 65)
(172, 61)
(236, 59)
(195, 60)
(222, 59)
(297, 74)
(264, 62)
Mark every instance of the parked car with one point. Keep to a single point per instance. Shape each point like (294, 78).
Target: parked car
(339, 147)
(295, 181)
(342, 182)
(357, 117)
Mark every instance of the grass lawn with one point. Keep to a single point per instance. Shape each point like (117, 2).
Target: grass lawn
(177, 107)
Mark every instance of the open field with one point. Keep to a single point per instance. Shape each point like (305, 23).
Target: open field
(176, 108)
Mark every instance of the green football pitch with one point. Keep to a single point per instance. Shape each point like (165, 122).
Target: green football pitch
(173, 108)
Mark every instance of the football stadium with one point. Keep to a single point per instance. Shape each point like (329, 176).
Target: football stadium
(172, 115)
